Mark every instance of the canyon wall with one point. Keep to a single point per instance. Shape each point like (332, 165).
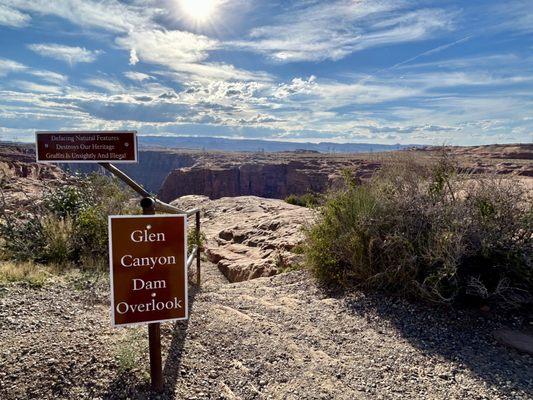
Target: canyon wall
(174, 173)
(263, 180)
(22, 180)
(150, 171)
(19, 162)
(274, 175)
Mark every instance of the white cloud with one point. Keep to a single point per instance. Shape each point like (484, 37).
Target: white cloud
(297, 86)
(69, 54)
(134, 59)
(332, 30)
(182, 52)
(49, 76)
(513, 15)
(12, 17)
(109, 15)
(137, 76)
(214, 71)
(106, 84)
(37, 88)
(167, 48)
(8, 66)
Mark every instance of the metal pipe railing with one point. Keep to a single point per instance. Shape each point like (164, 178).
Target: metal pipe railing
(164, 207)
(191, 256)
(198, 250)
(159, 205)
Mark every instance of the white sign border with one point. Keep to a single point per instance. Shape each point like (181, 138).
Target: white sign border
(135, 148)
(186, 272)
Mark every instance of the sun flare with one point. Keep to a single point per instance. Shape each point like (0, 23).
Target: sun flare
(198, 10)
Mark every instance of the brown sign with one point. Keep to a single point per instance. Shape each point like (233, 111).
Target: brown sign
(86, 147)
(148, 268)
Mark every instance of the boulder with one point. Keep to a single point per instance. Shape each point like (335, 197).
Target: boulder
(250, 237)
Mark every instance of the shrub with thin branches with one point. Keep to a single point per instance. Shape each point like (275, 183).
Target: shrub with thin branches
(425, 231)
(69, 225)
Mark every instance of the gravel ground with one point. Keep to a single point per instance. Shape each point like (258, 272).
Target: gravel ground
(270, 338)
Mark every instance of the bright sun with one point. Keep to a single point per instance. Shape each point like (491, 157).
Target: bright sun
(198, 10)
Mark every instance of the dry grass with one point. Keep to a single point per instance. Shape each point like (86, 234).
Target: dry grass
(28, 272)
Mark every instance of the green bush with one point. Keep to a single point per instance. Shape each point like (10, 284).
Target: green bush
(309, 200)
(427, 232)
(195, 240)
(69, 225)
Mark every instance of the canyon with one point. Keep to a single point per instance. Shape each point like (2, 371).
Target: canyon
(172, 173)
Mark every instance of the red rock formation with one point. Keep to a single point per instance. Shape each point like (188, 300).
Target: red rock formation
(264, 180)
(22, 180)
(19, 162)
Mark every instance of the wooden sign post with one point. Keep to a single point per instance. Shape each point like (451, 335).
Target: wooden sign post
(148, 260)
(147, 257)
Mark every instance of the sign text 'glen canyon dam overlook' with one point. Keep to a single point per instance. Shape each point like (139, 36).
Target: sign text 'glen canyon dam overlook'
(148, 252)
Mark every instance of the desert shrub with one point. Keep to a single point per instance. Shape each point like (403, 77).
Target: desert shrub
(309, 200)
(21, 237)
(195, 239)
(58, 246)
(66, 200)
(130, 350)
(427, 232)
(69, 225)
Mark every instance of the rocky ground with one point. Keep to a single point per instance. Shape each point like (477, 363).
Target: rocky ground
(248, 236)
(278, 337)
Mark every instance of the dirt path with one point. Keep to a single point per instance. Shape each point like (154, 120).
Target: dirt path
(270, 338)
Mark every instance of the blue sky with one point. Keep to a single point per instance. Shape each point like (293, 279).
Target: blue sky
(383, 71)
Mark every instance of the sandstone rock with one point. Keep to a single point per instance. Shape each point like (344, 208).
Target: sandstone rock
(271, 175)
(250, 237)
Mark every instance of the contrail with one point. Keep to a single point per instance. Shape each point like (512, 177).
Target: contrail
(425, 53)
(432, 51)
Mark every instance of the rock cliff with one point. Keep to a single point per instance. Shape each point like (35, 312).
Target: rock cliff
(272, 176)
(22, 180)
(19, 162)
(278, 175)
(264, 180)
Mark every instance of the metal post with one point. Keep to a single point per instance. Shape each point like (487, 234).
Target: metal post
(198, 250)
(154, 329)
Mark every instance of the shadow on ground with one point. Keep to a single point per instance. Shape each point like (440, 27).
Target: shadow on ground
(132, 386)
(461, 336)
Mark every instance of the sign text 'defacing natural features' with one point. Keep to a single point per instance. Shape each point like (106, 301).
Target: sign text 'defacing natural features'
(86, 147)
(148, 271)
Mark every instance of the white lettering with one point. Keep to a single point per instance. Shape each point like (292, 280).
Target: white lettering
(139, 284)
(129, 261)
(123, 260)
(139, 236)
